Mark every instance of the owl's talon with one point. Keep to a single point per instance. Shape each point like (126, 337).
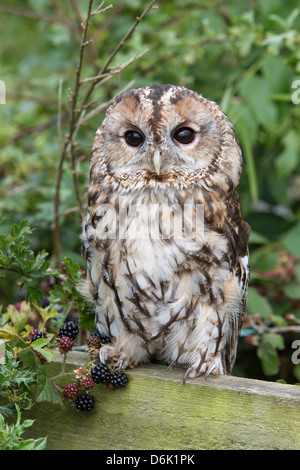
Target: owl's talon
(210, 370)
(206, 370)
(121, 362)
(104, 353)
(187, 374)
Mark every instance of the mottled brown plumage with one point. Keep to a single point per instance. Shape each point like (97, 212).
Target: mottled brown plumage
(182, 298)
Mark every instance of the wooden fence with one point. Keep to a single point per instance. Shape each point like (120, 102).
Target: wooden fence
(155, 411)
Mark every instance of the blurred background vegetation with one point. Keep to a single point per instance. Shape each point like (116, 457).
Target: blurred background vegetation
(243, 54)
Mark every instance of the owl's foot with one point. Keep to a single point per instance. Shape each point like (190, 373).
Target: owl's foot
(122, 360)
(212, 366)
(105, 352)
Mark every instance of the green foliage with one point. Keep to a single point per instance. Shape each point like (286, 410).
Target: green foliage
(23, 376)
(244, 55)
(15, 382)
(67, 295)
(17, 257)
(11, 436)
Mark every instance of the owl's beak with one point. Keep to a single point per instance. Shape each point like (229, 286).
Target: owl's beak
(157, 161)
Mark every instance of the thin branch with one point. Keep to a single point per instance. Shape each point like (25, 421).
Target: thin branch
(105, 105)
(105, 24)
(104, 68)
(114, 71)
(59, 113)
(83, 44)
(69, 145)
(56, 233)
(100, 9)
(263, 328)
(71, 210)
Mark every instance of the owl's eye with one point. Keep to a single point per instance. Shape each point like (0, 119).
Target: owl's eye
(133, 138)
(184, 135)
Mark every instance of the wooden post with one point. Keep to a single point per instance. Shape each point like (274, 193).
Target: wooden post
(155, 411)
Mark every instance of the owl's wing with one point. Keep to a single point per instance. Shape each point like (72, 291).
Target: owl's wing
(241, 268)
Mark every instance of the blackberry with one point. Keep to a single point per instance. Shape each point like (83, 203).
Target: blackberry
(85, 402)
(65, 344)
(100, 374)
(69, 329)
(87, 383)
(93, 341)
(104, 339)
(96, 339)
(31, 333)
(118, 379)
(38, 335)
(71, 391)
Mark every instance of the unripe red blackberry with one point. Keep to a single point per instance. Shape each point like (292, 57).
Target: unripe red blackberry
(31, 333)
(85, 402)
(71, 391)
(65, 344)
(68, 329)
(87, 383)
(96, 339)
(93, 341)
(118, 379)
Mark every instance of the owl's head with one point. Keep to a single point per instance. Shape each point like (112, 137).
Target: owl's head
(166, 135)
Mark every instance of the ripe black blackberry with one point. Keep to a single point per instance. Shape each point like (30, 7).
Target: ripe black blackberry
(100, 374)
(104, 339)
(118, 379)
(85, 402)
(38, 335)
(69, 329)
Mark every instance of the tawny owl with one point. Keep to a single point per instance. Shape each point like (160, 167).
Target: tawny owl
(164, 238)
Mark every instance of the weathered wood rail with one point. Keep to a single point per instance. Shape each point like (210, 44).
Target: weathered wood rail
(155, 411)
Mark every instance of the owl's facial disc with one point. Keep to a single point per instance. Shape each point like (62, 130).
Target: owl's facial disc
(164, 134)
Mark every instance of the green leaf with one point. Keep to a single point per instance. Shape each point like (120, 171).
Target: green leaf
(255, 91)
(296, 371)
(39, 346)
(8, 332)
(292, 290)
(257, 304)
(269, 358)
(32, 444)
(248, 151)
(275, 340)
(28, 358)
(46, 390)
(291, 240)
(257, 238)
(288, 159)
(8, 410)
(46, 313)
(71, 268)
(19, 319)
